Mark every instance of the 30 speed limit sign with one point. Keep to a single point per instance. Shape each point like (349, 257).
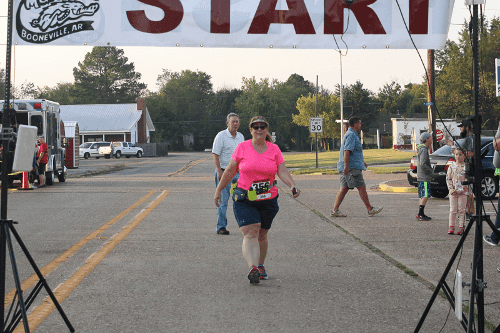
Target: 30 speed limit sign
(316, 125)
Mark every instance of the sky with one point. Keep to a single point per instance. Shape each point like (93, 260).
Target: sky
(49, 65)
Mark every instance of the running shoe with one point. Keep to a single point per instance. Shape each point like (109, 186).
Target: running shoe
(337, 213)
(374, 210)
(460, 231)
(263, 273)
(423, 217)
(487, 239)
(451, 231)
(254, 275)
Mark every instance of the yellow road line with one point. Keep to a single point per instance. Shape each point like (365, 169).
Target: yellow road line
(64, 290)
(30, 282)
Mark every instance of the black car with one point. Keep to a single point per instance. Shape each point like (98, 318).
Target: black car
(442, 158)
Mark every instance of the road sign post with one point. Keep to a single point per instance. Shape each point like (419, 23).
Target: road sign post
(316, 125)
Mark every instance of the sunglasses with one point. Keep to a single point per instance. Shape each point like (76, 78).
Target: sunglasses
(257, 127)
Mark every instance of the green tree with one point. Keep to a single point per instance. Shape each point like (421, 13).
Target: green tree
(181, 107)
(277, 102)
(360, 102)
(394, 99)
(328, 108)
(25, 91)
(454, 76)
(105, 76)
(63, 93)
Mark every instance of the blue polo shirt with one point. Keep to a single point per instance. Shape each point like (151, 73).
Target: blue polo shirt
(352, 143)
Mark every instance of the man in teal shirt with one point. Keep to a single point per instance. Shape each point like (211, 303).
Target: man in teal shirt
(351, 166)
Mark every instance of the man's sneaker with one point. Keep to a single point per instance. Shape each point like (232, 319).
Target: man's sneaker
(337, 213)
(460, 231)
(488, 240)
(263, 273)
(451, 231)
(423, 217)
(254, 275)
(374, 210)
(223, 231)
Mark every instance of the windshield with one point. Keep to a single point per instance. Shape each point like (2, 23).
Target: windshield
(446, 149)
(85, 145)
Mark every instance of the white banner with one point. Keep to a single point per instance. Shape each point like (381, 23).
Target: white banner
(302, 24)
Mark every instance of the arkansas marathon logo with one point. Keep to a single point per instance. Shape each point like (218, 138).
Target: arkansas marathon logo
(44, 21)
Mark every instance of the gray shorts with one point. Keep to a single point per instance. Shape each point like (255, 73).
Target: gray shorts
(354, 179)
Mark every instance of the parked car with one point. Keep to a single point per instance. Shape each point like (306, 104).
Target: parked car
(106, 151)
(126, 149)
(442, 158)
(91, 149)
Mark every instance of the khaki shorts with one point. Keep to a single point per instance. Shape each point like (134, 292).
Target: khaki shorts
(354, 179)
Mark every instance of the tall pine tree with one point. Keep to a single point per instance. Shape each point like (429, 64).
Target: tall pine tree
(106, 77)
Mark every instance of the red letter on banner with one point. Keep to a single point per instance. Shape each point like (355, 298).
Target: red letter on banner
(419, 17)
(366, 17)
(296, 15)
(173, 16)
(220, 20)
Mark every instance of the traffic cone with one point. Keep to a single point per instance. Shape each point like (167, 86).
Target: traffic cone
(26, 182)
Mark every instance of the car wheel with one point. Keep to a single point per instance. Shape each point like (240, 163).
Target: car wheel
(108, 156)
(49, 178)
(489, 186)
(61, 176)
(97, 158)
(139, 154)
(118, 154)
(439, 193)
(86, 156)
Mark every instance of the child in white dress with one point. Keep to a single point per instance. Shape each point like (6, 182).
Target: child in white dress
(457, 192)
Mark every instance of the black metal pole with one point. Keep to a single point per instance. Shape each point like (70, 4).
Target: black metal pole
(6, 121)
(477, 283)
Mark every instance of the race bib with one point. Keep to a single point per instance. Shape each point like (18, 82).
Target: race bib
(261, 186)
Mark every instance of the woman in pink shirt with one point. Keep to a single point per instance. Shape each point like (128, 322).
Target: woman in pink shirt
(255, 198)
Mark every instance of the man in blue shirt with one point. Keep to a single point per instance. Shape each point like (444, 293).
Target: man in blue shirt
(351, 166)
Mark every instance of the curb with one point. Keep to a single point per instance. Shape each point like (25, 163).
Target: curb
(384, 187)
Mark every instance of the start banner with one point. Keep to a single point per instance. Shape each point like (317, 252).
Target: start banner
(301, 24)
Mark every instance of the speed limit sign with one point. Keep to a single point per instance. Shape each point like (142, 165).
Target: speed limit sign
(316, 125)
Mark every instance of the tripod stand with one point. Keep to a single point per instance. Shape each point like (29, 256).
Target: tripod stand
(7, 227)
(7, 137)
(477, 285)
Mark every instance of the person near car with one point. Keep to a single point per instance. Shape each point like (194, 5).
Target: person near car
(42, 159)
(351, 165)
(458, 192)
(466, 132)
(255, 198)
(224, 145)
(493, 239)
(424, 174)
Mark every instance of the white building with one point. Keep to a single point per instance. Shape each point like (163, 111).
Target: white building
(111, 122)
(406, 131)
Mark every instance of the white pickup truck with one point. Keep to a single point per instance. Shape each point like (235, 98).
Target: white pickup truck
(119, 149)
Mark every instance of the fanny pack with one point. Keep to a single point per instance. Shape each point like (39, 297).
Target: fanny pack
(252, 194)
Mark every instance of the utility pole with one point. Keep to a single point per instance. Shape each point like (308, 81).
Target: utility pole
(430, 97)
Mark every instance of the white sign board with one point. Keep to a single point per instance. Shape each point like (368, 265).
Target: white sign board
(497, 75)
(316, 125)
(301, 24)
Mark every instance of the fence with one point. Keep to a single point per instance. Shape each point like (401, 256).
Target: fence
(154, 149)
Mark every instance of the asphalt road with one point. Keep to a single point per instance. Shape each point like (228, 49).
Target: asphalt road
(135, 250)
